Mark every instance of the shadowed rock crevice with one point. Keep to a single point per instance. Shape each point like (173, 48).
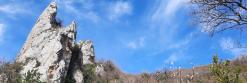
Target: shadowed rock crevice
(73, 65)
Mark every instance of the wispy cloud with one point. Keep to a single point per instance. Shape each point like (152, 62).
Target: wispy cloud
(2, 30)
(173, 6)
(168, 27)
(165, 9)
(84, 11)
(132, 45)
(179, 48)
(13, 9)
(136, 44)
(228, 44)
(183, 43)
(97, 11)
(162, 18)
(173, 58)
(119, 9)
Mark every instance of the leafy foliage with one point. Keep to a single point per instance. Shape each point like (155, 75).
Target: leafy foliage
(32, 77)
(89, 73)
(10, 73)
(223, 72)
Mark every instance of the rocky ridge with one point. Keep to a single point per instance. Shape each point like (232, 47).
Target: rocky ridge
(52, 50)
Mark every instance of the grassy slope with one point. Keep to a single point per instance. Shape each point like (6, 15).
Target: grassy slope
(201, 74)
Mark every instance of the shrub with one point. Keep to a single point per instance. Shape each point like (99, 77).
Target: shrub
(112, 72)
(89, 73)
(241, 62)
(223, 73)
(162, 75)
(32, 76)
(10, 71)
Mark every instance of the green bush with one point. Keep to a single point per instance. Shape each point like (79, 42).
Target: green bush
(223, 72)
(10, 72)
(89, 73)
(31, 77)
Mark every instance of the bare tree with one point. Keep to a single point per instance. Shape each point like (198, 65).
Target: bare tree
(220, 15)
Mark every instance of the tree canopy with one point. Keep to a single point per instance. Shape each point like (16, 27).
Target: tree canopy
(220, 15)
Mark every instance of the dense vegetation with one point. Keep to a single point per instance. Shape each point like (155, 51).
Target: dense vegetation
(223, 72)
(10, 73)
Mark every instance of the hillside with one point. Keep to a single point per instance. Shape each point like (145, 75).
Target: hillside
(199, 74)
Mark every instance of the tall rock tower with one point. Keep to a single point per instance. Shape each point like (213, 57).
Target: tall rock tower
(52, 50)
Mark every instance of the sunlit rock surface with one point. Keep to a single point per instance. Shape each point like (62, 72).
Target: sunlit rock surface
(52, 51)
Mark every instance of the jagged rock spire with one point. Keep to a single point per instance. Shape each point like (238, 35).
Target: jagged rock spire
(45, 23)
(51, 10)
(52, 50)
(71, 30)
(49, 13)
(48, 47)
(87, 51)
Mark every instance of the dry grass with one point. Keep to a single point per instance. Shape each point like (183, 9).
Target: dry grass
(199, 74)
(9, 72)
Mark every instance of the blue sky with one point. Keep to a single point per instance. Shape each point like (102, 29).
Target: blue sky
(137, 35)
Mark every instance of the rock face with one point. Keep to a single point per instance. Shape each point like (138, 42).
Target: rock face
(52, 50)
(83, 54)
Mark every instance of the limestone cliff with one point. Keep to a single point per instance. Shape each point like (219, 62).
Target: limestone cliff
(52, 50)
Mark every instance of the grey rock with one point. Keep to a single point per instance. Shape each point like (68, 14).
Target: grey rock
(52, 50)
(99, 70)
(87, 51)
(3, 78)
(83, 54)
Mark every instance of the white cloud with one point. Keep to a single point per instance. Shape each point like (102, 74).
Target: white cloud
(68, 5)
(132, 45)
(13, 9)
(10, 9)
(97, 11)
(2, 30)
(162, 19)
(183, 43)
(173, 6)
(165, 23)
(119, 9)
(85, 11)
(165, 9)
(174, 57)
(228, 44)
(179, 48)
(136, 44)
(92, 16)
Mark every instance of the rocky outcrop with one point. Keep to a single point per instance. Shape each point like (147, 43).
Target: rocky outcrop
(52, 50)
(83, 54)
